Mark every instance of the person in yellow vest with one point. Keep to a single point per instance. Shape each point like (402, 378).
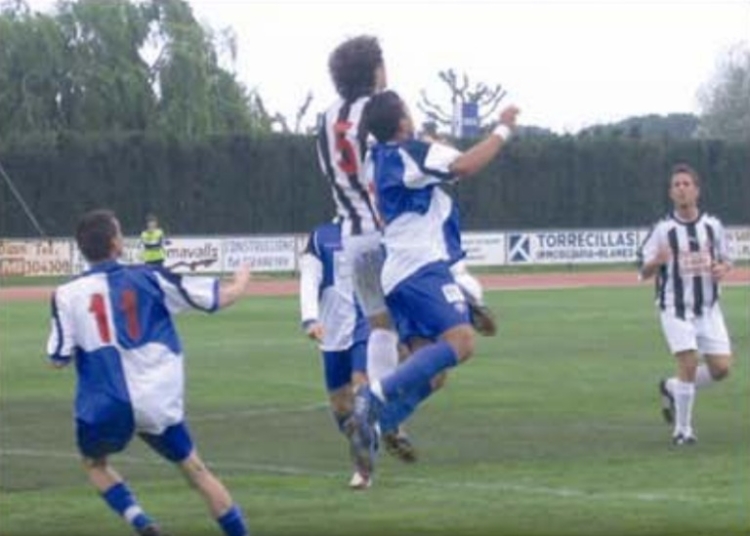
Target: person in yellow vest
(153, 242)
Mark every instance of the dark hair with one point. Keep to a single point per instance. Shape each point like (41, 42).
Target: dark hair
(94, 234)
(352, 65)
(382, 115)
(151, 217)
(688, 170)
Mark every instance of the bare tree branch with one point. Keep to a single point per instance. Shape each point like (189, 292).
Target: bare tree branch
(427, 104)
(434, 116)
(464, 86)
(492, 102)
(280, 119)
(302, 111)
(261, 106)
(486, 97)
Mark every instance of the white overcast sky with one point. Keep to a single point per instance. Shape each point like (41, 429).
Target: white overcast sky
(566, 64)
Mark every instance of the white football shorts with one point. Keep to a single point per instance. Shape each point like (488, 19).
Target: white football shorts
(366, 256)
(706, 333)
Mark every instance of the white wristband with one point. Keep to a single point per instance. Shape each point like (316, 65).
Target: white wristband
(503, 131)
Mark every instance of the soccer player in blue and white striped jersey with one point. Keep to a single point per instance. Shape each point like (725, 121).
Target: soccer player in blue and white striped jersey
(114, 323)
(423, 298)
(687, 252)
(332, 317)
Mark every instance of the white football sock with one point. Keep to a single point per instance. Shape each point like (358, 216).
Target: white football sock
(382, 353)
(377, 389)
(703, 378)
(670, 384)
(684, 396)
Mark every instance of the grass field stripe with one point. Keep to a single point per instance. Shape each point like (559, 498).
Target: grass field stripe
(271, 410)
(563, 493)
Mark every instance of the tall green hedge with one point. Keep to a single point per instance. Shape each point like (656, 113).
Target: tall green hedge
(272, 184)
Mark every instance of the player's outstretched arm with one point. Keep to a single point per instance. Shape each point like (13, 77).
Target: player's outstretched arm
(231, 291)
(481, 154)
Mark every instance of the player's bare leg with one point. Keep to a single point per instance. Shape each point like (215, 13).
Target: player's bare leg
(341, 403)
(462, 340)
(716, 369)
(118, 496)
(217, 498)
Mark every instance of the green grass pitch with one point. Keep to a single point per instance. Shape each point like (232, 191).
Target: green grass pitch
(553, 428)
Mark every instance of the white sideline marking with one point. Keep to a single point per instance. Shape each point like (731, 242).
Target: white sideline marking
(501, 287)
(222, 416)
(496, 486)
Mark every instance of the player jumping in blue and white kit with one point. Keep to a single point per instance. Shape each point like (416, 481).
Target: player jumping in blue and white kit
(114, 323)
(421, 293)
(332, 317)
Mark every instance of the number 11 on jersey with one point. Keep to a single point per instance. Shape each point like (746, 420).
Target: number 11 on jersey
(128, 305)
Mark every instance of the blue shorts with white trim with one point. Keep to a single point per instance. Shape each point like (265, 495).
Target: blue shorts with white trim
(427, 303)
(97, 440)
(338, 367)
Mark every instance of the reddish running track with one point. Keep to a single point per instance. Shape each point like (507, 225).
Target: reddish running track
(288, 287)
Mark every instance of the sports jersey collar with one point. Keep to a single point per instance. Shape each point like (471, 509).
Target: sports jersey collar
(676, 218)
(104, 266)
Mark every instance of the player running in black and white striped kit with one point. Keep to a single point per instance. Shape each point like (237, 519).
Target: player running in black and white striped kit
(687, 252)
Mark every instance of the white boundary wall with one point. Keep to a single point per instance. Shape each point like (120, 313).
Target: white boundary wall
(280, 253)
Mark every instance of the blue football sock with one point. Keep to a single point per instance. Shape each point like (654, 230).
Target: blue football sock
(397, 411)
(232, 522)
(418, 369)
(121, 500)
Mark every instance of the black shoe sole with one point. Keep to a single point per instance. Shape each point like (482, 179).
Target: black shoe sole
(483, 320)
(400, 448)
(666, 412)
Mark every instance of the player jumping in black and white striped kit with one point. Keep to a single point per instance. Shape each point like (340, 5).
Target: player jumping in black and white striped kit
(358, 71)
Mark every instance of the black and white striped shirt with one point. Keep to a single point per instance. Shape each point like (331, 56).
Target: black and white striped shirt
(684, 286)
(341, 151)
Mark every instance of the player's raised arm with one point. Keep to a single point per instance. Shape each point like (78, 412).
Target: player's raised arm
(207, 294)
(233, 290)
(479, 155)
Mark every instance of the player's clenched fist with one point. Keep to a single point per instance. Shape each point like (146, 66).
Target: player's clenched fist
(508, 116)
